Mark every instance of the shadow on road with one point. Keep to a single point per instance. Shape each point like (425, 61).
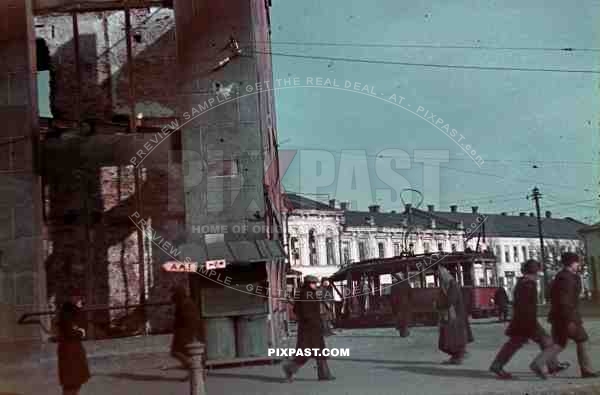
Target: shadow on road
(445, 372)
(254, 377)
(366, 360)
(141, 377)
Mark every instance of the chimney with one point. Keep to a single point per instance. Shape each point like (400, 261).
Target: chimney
(374, 208)
(430, 208)
(503, 213)
(344, 206)
(548, 214)
(474, 208)
(332, 203)
(531, 214)
(407, 208)
(521, 214)
(453, 208)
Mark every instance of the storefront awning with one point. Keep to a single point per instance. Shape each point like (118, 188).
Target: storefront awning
(233, 251)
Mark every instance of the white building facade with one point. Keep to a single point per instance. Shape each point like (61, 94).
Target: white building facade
(323, 237)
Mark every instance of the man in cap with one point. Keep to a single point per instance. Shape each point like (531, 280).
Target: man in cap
(564, 313)
(310, 332)
(524, 326)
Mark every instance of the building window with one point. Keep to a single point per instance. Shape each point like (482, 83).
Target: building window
(482, 282)
(501, 281)
(346, 252)
(515, 254)
(498, 253)
(411, 248)
(362, 250)
(453, 247)
(506, 254)
(312, 248)
(524, 251)
(426, 247)
(330, 256)
(381, 250)
(440, 247)
(396, 249)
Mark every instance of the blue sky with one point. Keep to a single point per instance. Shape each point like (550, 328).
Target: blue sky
(513, 119)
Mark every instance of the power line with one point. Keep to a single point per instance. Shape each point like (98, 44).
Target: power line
(518, 180)
(431, 65)
(431, 46)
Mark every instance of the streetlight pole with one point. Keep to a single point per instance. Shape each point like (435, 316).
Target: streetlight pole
(536, 197)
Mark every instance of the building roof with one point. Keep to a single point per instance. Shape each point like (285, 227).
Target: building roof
(386, 219)
(496, 225)
(590, 228)
(302, 203)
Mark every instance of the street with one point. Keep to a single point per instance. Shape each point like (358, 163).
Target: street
(380, 362)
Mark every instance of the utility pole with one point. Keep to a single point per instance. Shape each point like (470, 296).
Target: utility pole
(536, 197)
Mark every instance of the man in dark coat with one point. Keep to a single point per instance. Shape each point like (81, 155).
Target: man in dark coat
(524, 326)
(73, 370)
(564, 312)
(455, 332)
(188, 326)
(501, 302)
(310, 332)
(327, 306)
(400, 295)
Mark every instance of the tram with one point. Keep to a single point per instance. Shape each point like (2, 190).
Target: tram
(367, 301)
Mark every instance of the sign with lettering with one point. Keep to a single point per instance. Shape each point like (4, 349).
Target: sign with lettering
(180, 267)
(215, 264)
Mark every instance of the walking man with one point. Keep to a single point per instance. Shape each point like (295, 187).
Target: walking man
(524, 326)
(454, 330)
(564, 312)
(310, 332)
(501, 302)
(327, 306)
(188, 325)
(401, 291)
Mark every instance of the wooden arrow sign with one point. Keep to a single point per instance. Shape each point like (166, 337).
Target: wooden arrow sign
(180, 267)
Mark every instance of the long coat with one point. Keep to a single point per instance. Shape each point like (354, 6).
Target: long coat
(400, 295)
(73, 369)
(308, 316)
(564, 296)
(501, 298)
(455, 332)
(188, 325)
(524, 320)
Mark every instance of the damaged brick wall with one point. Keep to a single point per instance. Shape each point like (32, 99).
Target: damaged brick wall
(103, 65)
(92, 194)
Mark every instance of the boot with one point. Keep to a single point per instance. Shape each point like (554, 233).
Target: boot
(585, 364)
(323, 372)
(289, 368)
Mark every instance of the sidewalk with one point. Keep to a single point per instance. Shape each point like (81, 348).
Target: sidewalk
(380, 363)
